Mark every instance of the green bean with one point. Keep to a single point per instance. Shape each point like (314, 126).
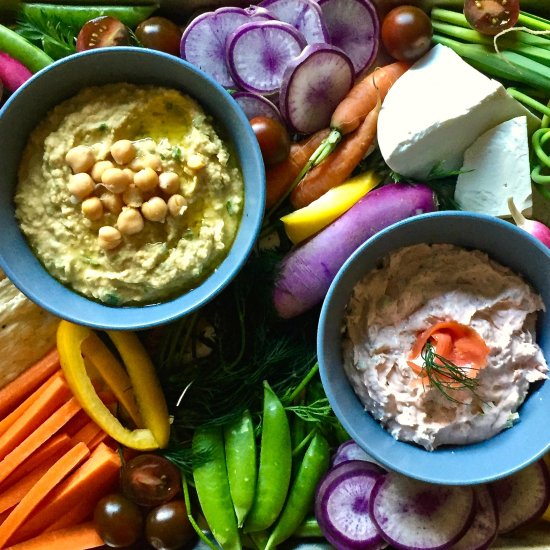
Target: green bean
(309, 528)
(275, 465)
(21, 49)
(300, 498)
(240, 455)
(212, 487)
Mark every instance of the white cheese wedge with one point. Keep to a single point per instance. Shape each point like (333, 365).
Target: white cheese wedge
(496, 166)
(436, 110)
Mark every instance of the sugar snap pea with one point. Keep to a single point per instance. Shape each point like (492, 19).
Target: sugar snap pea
(240, 455)
(314, 464)
(275, 465)
(212, 487)
(21, 49)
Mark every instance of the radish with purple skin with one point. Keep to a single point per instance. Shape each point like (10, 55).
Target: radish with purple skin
(12, 73)
(349, 450)
(313, 85)
(306, 273)
(535, 228)
(255, 105)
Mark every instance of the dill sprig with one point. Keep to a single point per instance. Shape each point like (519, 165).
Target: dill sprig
(444, 375)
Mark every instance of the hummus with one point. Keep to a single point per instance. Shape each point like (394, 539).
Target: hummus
(416, 288)
(162, 255)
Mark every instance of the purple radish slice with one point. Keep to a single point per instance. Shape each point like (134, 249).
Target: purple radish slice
(313, 85)
(342, 503)
(258, 53)
(483, 530)
(412, 514)
(203, 42)
(257, 13)
(354, 27)
(349, 450)
(305, 15)
(521, 497)
(255, 105)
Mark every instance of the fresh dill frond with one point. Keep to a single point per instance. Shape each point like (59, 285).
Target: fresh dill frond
(317, 411)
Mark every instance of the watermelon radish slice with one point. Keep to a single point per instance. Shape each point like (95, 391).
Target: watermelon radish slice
(354, 27)
(258, 53)
(255, 105)
(411, 514)
(312, 86)
(257, 13)
(522, 497)
(305, 15)
(349, 450)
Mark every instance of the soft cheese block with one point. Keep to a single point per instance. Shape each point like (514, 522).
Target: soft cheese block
(436, 110)
(496, 166)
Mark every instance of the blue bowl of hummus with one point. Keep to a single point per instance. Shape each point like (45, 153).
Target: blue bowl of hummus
(133, 188)
(433, 346)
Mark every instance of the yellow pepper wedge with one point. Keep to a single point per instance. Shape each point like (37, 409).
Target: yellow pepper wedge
(141, 373)
(305, 222)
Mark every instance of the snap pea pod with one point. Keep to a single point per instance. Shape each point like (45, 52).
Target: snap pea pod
(21, 49)
(275, 465)
(212, 487)
(300, 499)
(240, 455)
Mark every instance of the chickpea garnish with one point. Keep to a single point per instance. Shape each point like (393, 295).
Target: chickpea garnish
(196, 161)
(99, 167)
(129, 221)
(154, 209)
(92, 208)
(113, 203)
(123, 151)
(80, 158)
(109, 237)
(177, 205)
(146, 179)
(132, 197)
(116, 180)
(81, 185)
(169, 182)
(149, 160)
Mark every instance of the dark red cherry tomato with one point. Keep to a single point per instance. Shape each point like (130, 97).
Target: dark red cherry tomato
(118, 520)
(273, 139)
(102, 32)
(406, 33)
(159, 33)
(491, 16)
(167, 527)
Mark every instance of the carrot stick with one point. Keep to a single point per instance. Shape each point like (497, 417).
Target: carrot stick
(12, 394)
(41, 489)
(339, 166)
(87, 433)
(99, 438)
(77, 537)
(51, 426)
(92, 480)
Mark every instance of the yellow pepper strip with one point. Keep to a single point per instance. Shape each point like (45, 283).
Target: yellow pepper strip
(111, 371)
(69, 343)
(305, 222)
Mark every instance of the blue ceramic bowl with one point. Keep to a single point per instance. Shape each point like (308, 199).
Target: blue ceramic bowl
(65, 78)
(494, 458)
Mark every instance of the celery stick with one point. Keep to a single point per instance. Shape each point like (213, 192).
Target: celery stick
(21, 49)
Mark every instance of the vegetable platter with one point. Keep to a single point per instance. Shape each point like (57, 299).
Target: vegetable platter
(219, 421)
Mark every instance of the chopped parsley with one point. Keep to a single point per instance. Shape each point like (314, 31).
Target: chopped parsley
(176, 153)
(103, 127)
(189, 235)
(231, 208)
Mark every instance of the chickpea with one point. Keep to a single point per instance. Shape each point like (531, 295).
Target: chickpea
(169, 182)
(129, 221)
(80, 158)
(132, 197)
(146, 179)
(177, 205)
(81, 185)
(108, 237)
(113, 203)
(116, 180)
(123, 151)
(99, 167)
(196, 161)
(92, 208)
(154, 209)
(149, 160)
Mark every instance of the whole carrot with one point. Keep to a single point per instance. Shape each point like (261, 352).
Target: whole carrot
(339, 166)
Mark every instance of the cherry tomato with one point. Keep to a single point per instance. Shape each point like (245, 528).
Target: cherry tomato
(491, 16)
(167, 527)
(406, 33)
(118, 520)
(159, 33)
(102, 32)
(273, 139)
(150, 480)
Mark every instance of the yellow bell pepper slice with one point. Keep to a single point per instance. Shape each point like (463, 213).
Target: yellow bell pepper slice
(141, 373)
(305, 222)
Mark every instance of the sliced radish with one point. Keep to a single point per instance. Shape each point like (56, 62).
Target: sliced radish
(256, 105)
(313, 84)
(257, 13)
(305, 15)
(349, 450)
(354, 27)
(411, 514)
(483, 530)
(521, 497)
(203, 42)
(258, 53)
(342, 503)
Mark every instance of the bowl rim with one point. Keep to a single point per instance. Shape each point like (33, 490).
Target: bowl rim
(85, 311)
(407, 458)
